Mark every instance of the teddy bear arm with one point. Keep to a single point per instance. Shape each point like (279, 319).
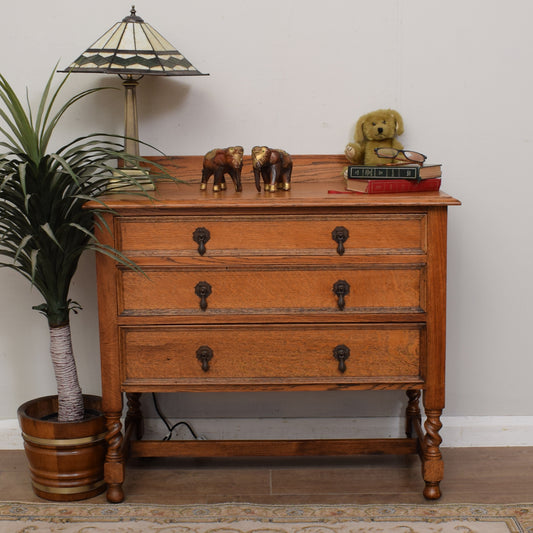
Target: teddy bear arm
(354, 153)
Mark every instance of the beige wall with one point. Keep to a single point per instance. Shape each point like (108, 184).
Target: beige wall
(297, 74)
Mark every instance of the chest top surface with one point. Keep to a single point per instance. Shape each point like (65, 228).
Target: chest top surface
(317, 182)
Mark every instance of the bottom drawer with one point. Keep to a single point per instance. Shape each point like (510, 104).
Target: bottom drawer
(269, 354)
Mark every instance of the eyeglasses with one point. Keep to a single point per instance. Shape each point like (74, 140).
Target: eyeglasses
(409, 155)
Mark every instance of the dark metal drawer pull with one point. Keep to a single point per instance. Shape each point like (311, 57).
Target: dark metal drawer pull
(341, 288)
(204, 354)
(341, 353)
(340, 235)
(203, 290)
(200, 236)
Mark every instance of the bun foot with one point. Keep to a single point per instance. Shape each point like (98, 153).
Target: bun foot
(432, 490)
(115, 494)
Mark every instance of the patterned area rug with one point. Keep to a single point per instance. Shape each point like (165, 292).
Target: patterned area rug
(251, 518)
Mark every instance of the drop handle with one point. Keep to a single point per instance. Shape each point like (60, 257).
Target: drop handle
(203, 290)
(204, 354)
(200, 236)
(340, 235)
(341, 288)
(341, 353)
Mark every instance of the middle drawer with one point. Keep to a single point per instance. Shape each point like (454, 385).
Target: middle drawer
(267, 290)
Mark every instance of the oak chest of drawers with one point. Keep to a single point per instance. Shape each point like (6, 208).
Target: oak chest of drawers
(295, 290)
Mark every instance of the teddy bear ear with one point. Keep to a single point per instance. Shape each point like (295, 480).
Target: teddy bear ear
(399, 121)
(359, 135)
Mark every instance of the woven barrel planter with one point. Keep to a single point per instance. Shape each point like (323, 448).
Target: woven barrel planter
(66, 459)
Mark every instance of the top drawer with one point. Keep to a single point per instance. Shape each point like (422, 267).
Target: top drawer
(329, 235)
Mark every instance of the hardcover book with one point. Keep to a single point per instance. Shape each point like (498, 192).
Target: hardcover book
(408, 172)
(384, 186)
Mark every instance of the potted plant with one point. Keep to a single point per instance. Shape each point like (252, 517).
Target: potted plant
(44, 229)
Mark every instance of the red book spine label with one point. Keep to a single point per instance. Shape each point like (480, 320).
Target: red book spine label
(391, 186)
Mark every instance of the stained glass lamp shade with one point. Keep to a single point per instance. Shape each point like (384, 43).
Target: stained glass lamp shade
(132, 49)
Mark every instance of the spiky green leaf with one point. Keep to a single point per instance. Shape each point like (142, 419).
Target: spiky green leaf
(44, 226)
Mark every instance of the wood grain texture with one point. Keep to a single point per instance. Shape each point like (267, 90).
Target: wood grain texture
(269, 235)
(269, 448)
(473, 475)
(272, 315)
(264, 289)
(313, 177)
(267, 352)
(65, 458)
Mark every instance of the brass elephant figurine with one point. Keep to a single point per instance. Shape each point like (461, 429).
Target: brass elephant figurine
(274, 166)
(220, 161)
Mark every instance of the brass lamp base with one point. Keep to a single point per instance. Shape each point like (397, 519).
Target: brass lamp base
(139, 175)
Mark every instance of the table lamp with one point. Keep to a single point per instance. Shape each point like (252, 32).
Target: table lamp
(133, 49)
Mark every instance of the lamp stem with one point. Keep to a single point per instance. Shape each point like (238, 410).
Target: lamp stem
(131, 129)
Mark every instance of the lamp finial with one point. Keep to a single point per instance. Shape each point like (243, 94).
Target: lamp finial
(132, 17)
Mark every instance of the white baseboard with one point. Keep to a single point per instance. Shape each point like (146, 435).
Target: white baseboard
(457, 431)
(10, 438)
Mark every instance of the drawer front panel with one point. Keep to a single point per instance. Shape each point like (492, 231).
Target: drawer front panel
(266, 290)
(269, 352)
(273, 235)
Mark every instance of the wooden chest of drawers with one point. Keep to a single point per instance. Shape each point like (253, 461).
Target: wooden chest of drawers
(294, 290)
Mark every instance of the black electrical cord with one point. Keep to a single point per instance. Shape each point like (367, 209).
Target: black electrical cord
(171, 428)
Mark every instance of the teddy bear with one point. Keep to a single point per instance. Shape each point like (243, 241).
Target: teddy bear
(374, 130)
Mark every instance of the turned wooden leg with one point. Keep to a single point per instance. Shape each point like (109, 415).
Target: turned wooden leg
(432, 464)
(134, 414)
(114, 461)
(412, 412)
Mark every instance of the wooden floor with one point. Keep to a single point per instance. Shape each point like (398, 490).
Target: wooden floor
(472, 475)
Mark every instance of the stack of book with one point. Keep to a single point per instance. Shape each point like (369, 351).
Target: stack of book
(392, 179)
